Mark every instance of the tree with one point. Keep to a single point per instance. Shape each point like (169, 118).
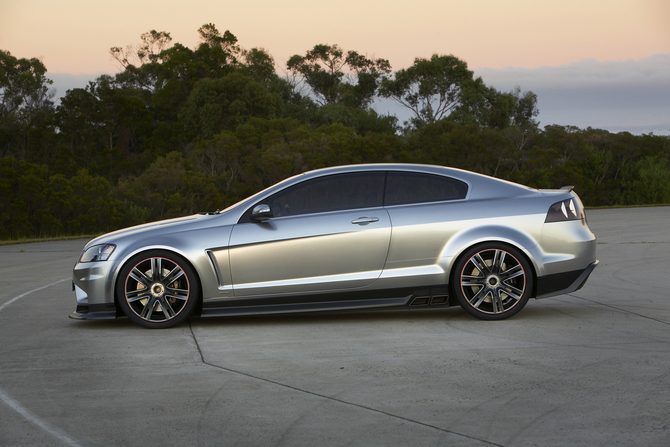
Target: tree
(168, 188)
(646, 182)
(153, 44)
(323, 69)
(211, 37)
(431, 88)
(525, 110)
(258, 64)
(223, 104)
(483, 106)
(25, 99)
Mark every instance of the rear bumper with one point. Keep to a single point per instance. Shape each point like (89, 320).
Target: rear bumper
(562, 283)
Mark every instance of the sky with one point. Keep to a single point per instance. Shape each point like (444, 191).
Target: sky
(598, 63)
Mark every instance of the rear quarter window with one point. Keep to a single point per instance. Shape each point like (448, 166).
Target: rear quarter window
(410, 187)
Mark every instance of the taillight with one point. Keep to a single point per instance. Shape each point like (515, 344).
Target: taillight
(570, 209)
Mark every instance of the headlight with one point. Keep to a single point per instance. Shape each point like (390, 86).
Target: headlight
(97, 253)
(569, 209)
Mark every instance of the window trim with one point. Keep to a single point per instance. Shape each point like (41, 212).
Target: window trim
(245, 217)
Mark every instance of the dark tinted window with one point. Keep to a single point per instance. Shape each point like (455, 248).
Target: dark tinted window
(331, 193)
(411, 187)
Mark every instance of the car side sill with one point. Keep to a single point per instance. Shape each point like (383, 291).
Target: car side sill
(304, 307)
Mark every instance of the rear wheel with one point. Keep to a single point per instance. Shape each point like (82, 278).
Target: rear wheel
(492, 281)
(157, 289)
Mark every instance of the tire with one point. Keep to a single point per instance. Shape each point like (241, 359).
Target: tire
(492, 281)
(157, 289)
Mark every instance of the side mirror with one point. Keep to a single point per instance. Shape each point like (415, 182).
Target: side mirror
(261, 213)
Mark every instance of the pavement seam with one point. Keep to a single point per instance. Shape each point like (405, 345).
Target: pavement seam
(23, 411)
(28, 293)
(621, 310)
(323, 396)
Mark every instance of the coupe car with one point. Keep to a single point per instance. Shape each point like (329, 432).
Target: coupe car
(350, 237)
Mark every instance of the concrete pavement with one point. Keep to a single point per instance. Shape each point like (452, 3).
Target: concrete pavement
(589, 368)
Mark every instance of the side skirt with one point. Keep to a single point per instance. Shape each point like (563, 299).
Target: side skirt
(408, 298)
(304, 307)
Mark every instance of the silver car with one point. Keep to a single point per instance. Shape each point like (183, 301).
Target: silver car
(350, 237)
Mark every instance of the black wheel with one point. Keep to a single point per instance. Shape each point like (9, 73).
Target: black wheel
(492, 281)
(157, 289)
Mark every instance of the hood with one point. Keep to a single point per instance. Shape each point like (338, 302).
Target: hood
(196, 221)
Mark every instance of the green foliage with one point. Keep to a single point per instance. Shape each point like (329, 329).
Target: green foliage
(431, 88)
(168, 188)
(323, 68)
(36, 203)
(182, 130)
(25, 104)
(225, 103)
(646, 181)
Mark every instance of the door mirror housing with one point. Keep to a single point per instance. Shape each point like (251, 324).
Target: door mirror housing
(261, 213)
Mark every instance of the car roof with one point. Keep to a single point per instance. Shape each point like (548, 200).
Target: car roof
(479, 186)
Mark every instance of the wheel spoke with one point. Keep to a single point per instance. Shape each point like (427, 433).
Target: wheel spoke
(473, 283)
(149, 308)
(513, 292)
(134, 295)
(177, 297)
(496, 301)
(140, 277)
(183, 292)
(482, 293)
(168, 311)
(513, 272)
(497, 262)
(174, 275)
(472, 277)
(156, 269)
(480, 263)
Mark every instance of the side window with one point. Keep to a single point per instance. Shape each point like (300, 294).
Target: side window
(331, 193)
(411, 187)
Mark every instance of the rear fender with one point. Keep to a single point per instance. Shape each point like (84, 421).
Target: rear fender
(491, 233)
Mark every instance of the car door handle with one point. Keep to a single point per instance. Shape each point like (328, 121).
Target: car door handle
(364, 220)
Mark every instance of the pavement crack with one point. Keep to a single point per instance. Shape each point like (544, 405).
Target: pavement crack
(332, 399)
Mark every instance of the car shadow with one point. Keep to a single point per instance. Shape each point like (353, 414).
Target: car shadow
(363, 316)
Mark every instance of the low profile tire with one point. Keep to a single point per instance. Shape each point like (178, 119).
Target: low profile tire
(157, 289)
(492, 281)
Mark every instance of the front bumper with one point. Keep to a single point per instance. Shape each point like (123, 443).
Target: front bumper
(95, 312)
(93, 287)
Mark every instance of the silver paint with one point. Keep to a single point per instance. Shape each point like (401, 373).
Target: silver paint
(365, 249)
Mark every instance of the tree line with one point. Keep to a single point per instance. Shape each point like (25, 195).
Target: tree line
(180, 130)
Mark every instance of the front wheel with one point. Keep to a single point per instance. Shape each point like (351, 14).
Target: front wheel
(157, 289)
(492, 281)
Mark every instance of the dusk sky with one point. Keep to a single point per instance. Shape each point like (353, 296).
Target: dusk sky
(599, 63)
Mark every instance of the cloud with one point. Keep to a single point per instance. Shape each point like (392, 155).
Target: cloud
(66, 81)
(615, 95)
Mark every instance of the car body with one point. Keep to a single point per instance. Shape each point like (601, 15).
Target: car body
(349, 237)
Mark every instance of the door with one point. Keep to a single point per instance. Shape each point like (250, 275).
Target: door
(326, 234)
